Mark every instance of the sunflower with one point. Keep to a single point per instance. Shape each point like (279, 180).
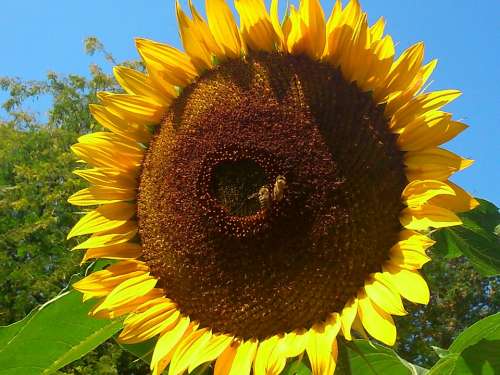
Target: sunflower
(266, 190)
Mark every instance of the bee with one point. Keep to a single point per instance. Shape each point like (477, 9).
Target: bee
(265, 196)
(279, 188)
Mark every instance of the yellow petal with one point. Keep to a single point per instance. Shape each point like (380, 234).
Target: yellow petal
(127, 291)
(108, 177)
(321, 348)
(427, 216)
(103, 218)
(166, 63)
(126, 309)
(166, 343)
(409, 259)
(295, 343)
(141, 109)
(140, 84)
(242, 361)
(379, 61)
(418, 192)
(332, 31)
(377, 30)
(101, 195)
(223, 28)
(274, 14)
(296, 41)
(107, 158)
(339, 30)
(382, 293)
(194, 45)
(461, 201)
(411, 240)
(204, 32)
(147, 329)
(214, 348)
(347, 317)
(354, 62)
(146, 325)
(377, 322)
(187, 350)
(287, 28)
(357, 326)
(105, 149)
(225, 360)
(308, 30)
(161, 300)
(433, 164)
(409, 283)
(313, 16)
(270, 358)
(405, 68)
(428, 131)
(119, 125)
(398, 99)
(101, 283)
(422, 105)
(256, 26)
(127, 250)
(160, 307)
(121, 234)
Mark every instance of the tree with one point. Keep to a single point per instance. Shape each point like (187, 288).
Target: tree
(36, 180)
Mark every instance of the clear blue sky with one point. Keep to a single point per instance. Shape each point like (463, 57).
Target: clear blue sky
(40, 36)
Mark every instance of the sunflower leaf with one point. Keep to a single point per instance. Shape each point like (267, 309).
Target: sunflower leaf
(440, 351)
(477, 239)
(474, 351)
(52, 336)
(297, 367)
(372, 359)
(143, 350)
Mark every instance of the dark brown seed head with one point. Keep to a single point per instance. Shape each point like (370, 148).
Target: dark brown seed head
(251, 266)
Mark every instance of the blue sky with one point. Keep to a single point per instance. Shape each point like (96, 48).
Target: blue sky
(40, 36)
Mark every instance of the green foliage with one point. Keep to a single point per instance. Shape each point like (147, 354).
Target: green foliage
(364, 357)
(460, 294)
(477, 239)
(474, 351)
(34, 217)
(459, 297)
(142, 350)
(36, 180)
(297, 367)
(52, 336)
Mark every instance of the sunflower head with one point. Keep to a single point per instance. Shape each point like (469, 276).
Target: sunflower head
(267, 189)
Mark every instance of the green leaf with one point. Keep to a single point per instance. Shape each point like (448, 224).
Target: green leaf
(475, 351)
(370, 358)
(297, 367)
(444, 366)
(440, 351)
(486, 329)
(477, 239)
(362, 357)
(143, 350)
(445, 245)
(52, 336)
(203, 369)
(482, 358)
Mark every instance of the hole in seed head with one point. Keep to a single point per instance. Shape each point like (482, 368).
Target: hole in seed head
(236, 184)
